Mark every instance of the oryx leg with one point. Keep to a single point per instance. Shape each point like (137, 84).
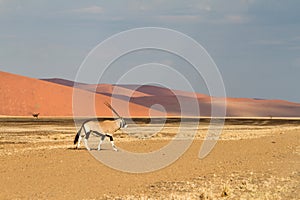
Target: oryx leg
(111, 141)
(79, 140)
(86, 137)
(100, 142)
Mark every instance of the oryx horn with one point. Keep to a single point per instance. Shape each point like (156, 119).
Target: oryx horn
(110, 107)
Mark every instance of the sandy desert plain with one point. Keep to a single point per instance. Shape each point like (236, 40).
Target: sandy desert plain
(253, 159)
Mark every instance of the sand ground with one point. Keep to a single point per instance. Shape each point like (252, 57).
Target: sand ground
(254, 159)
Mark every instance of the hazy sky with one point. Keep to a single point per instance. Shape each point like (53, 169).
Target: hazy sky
(255, 43)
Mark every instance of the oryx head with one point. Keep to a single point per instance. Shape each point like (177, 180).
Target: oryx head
(120, 119)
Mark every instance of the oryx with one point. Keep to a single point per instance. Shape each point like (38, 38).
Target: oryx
(36, 115)
(100, 128)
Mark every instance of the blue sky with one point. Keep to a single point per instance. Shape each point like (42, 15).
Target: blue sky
(255, 43)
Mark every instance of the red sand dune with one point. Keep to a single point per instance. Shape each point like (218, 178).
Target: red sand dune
(146, 96)
(23, 96)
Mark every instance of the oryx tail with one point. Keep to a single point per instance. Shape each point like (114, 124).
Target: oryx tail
(77, 135)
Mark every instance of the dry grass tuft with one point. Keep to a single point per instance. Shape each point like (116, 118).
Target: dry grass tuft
(225, 191)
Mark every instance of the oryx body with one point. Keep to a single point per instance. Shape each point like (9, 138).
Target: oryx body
(102, 129)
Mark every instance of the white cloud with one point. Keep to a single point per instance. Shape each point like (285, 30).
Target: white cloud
(202, 6)
(89, 10)
(179, 18)
(237, 19)
(270, 42)
(167, 62)
(283, 43)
